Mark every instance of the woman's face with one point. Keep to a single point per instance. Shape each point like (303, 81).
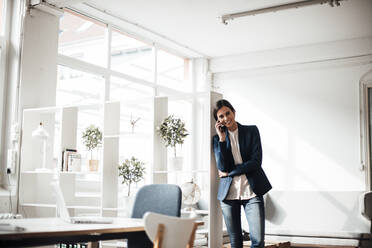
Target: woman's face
(226, 116)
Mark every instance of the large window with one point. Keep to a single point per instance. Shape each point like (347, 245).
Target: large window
(100, 62)
(75, 87)
(1, 16)
(82, 38)
(173, 71)
(131, 56)
(2, 64)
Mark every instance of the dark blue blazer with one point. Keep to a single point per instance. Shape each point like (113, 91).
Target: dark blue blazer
(251, 152)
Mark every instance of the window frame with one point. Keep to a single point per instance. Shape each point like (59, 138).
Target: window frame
(4, 37)
(107, 72)
(366, 133)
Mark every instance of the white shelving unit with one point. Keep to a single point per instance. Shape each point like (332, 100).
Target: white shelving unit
(101, 193)
(84, 191)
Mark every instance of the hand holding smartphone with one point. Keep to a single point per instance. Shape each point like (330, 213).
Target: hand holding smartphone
(221, 130)
(221, 127)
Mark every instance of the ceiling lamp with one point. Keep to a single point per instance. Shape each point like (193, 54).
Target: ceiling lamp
(227, 17)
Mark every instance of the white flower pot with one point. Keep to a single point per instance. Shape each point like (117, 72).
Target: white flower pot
(175, 163)
(128, 202)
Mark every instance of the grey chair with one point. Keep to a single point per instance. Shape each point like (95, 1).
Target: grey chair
(366, 206)
(158, 198)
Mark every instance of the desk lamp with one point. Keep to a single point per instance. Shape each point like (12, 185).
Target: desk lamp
(42, 134)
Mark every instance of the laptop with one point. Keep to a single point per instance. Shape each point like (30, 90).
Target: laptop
(65, 215)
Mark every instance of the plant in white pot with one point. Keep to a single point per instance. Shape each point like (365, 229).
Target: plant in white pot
(92, 138)
(173, 132)
(131, 171)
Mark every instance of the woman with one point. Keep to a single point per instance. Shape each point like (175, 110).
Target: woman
(238, 153)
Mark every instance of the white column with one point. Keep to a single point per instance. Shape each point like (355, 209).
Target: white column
(215, 213)
(160, 151)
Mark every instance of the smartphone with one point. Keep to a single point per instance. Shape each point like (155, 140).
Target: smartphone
(222, 127)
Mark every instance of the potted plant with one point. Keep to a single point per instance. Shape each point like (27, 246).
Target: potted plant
(92, 137)
(173, 132)
(132, 171)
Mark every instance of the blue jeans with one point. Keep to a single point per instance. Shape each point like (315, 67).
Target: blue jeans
(255, 213)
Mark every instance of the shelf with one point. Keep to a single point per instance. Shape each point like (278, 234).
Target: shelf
(88, 194)
(111, 136)
(88, 180)
(181, 171)
(128, 134)
(85, 207)
(136, 134)
(113, 209)
(63, 172)
(43, 205)
(37, 172)
(81, 172)
(53, 206)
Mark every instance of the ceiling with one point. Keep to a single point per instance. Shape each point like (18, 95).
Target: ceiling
(195, 23)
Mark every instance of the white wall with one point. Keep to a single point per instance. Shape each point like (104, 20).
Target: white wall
(307, 110)
(39, 61)
(309, 123)
(38, 74)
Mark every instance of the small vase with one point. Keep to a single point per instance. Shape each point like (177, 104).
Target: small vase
(93, 165)
(128, 202)
(175, 163)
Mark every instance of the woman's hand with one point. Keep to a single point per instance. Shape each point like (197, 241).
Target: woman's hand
(222, 174)
(220, 132)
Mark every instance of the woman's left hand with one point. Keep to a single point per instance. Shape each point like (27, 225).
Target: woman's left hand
(222, 174)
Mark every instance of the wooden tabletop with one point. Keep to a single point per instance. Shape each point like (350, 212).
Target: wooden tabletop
(43, 231)
(47, 231)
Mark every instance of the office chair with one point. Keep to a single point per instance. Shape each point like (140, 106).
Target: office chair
(158, 198)
(170, 232)
(366, 205)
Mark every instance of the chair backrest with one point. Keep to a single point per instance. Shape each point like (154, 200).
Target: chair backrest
(366, 205)
(158, 198)
(170, 232)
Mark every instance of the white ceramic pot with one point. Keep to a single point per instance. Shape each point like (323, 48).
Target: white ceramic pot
(93, 165)
(175, 163)
(128, 202)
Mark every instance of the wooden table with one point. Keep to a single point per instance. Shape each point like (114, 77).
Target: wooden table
(48, 231)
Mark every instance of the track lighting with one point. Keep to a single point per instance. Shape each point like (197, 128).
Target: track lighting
(228, 17)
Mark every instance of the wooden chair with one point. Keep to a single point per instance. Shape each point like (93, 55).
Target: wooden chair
(158, 198)
(170, 232)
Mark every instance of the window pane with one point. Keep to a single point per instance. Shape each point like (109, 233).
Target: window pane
(173, 71)
(1, 16)
(131, 56)
(76, 87)
(124, 90)
(82, 38)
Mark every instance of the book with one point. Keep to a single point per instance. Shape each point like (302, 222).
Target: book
(73, 161)
(64, 163)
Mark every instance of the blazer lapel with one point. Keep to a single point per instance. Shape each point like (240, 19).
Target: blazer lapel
(241, 136)
(228, 144)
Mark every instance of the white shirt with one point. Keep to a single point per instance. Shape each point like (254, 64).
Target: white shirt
(239, 188)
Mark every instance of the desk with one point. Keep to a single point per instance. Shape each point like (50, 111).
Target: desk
(48, 231)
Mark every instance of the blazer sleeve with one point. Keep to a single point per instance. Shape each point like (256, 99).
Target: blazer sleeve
(255, 159)
(223, 159)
